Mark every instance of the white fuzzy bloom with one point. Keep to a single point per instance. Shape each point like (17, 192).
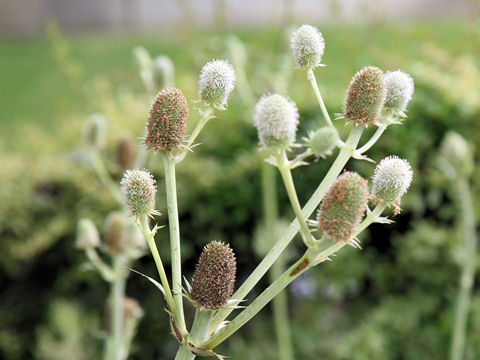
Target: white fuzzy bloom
(307, 46)
(276, 120)
(400, 88)
(217, 80)
(391, 179)
(138, 188)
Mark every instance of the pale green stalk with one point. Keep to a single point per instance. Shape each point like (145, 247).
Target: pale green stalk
(284, 167)
(381, 128)
(174, 227)
(202, 320)
(313, 82)
(104, 176)
(342, 158)
(116, 301)
(206, 115)
(468, 270)
(280, 302)
(308, 260)
(158, 262)
(105, 271)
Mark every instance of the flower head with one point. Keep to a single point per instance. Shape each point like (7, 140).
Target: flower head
(400, 88)
(166, 123)
(138, 188)
(391, 179)
(458, 152)
(307, 46)
(217, 80)
(365, 96)
(87, 235)
(214, 277)
(116, 232)
(163, 72)
(343, 207)
(94, 131)
(276, 120)
(125, 152)
(322, 141)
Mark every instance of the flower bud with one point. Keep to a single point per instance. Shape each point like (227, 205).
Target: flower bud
(343, 207)
(391, 179)
(400, 88)
(138, 188)
(126, 152)
(365, 96)
(87, 235)
(456, 150)
(276, 120)
(166, 124)
(322, 141)
(163, 72)
(307, 46)
(116, 232)
(217, 80)
(214, 277)
(94, 131)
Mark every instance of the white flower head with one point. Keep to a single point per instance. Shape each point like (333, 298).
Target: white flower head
(400, 87)
(307, 46)
(391, 179)
(276, 120)
(138, 188)
(217, 80)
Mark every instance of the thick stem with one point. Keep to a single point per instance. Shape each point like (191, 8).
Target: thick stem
(116, 302)
(198, 333)
(342, 158)
(158, 262)
(284, 168)
(313, 82)
(468, 270)
(309, 259)
(174, 227)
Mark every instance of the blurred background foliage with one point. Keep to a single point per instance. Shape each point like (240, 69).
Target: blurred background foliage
(392, 300)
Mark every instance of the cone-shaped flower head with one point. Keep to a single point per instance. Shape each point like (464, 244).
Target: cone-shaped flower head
(400, 88)
(322, 141)
(94, 131)
(87, 235)
(126, 152)
(391, 179)
(343, 207)
(138, 188)
(116, 232)
(214, 277)
(456, 150)
(276, 120)
(167, 121)
(365, 96)
(307, 46)
(217, 80)
(163, 72)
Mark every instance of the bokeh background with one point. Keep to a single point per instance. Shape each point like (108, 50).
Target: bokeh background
(62, 60)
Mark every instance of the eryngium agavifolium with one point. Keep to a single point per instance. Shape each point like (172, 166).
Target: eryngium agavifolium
(216, 82)
(126, 152)
(391, 179)
(116, 232)
(138, 188)
(94, 131)
(214, 277)
(365, 96)
(307, 46)
(458, 152)
(322, 141)
(276, 120)
(87, 234)
(343, 207)
(166, 123)
(163, 72)
(400, 88)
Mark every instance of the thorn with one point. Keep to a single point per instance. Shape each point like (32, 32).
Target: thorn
(359, 156)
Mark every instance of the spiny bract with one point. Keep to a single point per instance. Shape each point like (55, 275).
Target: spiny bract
(307, 46)
(391, 179)
(365, 96)
(343, 207)
(138, 188)
(216, 82)
(276, 120)
(214, 277)
(166, 123)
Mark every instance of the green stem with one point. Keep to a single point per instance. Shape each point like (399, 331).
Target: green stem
(284, 168)
(342, 158)
(174, 227)
(105, 271)
(280, 302)
(198, 333)
(116, 302)
(468, 270)
(158, 262)
(313, 82)
(381, 128)
(206, 115)
(104, 176)
(309, 259)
